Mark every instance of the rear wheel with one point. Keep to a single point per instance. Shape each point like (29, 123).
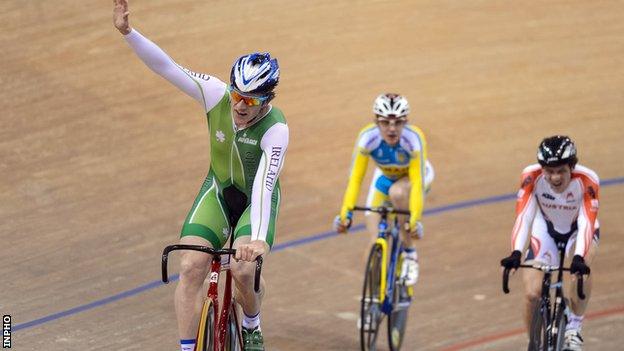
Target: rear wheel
(370, 311)
(538, 335)
(397, 320)
(232, 337)
(205, 333)
(561, 322)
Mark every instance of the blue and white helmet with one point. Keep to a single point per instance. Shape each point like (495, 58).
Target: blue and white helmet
(391, 105)
(255, 73)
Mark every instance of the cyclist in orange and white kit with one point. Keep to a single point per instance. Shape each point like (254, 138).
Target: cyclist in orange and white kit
(557, 198)
(402, 174)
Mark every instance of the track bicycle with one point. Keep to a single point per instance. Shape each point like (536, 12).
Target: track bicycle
(384, 292)
(549, 318)
(218, 330)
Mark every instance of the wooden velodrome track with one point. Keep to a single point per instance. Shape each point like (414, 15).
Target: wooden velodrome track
(100, 159)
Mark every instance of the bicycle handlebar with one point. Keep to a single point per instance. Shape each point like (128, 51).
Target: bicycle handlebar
(382, 210)
(579, 282)
(210, 251)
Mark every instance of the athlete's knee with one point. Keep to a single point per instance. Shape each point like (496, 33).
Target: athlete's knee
(243, 271)
(193, 268)
(532, 292)
(398, 194)
(573, 287)
(532, 296)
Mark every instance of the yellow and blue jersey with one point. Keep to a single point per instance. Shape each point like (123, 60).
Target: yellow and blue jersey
(406, 158)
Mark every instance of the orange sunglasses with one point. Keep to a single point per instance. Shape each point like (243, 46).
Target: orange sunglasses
(249, 100)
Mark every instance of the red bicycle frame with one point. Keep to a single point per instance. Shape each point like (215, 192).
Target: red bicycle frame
(221, 318)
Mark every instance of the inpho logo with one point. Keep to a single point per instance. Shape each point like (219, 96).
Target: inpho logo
(6, 331)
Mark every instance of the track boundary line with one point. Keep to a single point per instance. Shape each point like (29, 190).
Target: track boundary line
(280, 247)
(506, 334)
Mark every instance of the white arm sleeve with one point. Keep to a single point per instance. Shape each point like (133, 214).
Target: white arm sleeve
(274, 144)
(207, 90)
(583, 235)
(523, 225)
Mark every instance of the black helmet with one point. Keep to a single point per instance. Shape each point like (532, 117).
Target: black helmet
(556, 151)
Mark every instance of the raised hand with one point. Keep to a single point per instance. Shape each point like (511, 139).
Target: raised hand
(120, 16)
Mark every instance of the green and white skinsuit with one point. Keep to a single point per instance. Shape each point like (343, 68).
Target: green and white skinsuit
(248, 159)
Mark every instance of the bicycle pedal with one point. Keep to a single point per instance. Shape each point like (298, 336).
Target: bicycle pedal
(369, 301)
(402, 305)
(368, 325)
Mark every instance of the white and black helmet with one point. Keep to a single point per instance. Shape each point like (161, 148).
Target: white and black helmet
(557, 150)
(391, 105)
(255, 73)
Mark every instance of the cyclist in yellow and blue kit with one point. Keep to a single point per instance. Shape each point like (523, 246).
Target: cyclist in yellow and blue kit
(402, 175)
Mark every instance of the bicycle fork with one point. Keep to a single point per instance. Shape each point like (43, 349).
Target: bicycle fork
(383, 274)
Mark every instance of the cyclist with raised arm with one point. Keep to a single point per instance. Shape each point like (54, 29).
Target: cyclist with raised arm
(241, 194)
(402, 175)
(557, 198)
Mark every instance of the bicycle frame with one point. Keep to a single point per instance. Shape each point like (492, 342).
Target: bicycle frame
(551, 310)
(383, 292)
(395, 251)
(220, 316)
(546, 308)
(388, 270)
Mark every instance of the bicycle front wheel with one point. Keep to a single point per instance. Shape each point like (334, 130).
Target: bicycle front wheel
(538, 333)
(370, 312)
(205, 331)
